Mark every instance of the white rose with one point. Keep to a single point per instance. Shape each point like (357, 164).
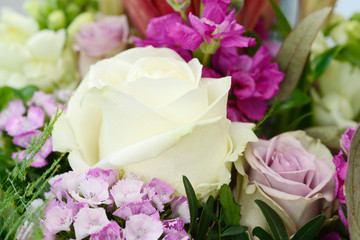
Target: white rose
(29, 56)
(146, 110)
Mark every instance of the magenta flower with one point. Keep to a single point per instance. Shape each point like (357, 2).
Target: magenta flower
(158, 35)
(340, 176)
(216, 23)
(254, 80)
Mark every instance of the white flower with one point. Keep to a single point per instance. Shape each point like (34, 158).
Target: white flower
(29, 56)
(148, 111)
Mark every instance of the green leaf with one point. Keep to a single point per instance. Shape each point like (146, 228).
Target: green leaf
(234, 230)
(297, 99)
(321, 62)
(294, 51)
(209, 212)
(7, 94)
(352, 187)
(229, 207)
(212, 234)
(310, 229)
(190, 194)
(261, 234)
(274, 221)
(344, 209)
(205, 220)
(350, 53)
(282, 22)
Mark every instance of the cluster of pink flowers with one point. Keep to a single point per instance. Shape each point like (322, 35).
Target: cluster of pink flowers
(23, 124)
(95, 204)
(217, 25)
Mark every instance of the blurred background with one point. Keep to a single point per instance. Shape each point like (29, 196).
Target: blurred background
(344, 7)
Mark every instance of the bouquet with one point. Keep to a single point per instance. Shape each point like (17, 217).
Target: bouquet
(178, 119)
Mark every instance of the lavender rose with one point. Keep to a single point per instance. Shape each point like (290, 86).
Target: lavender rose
(291, 172)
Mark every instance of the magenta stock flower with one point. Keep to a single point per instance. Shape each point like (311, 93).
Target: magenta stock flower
(216, 24)
(254, 80)
(346, 139)
(158, 35)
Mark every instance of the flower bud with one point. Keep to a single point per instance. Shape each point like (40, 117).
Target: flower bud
(33, 8)
(83, 18)
(72, 10)
(57, 20)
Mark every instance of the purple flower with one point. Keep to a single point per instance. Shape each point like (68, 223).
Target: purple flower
(346, 139)
(14, 108)
(254, 80)
(19, 125)
(126, 191)
(134, 208)
(111, 232)
(58, 217)
(97, 39)
(159, 193)
(45, 101)
(180, 208)
(143, 227)
(89, 221)
(39, 160)
(108, 176)
(92, 191)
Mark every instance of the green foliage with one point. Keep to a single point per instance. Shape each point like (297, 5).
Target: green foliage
(221, 224)
(230, 208)
(190, 194)
(8, 94)
(294, 51)
(310, 229)
(274, 221)
(307, 232)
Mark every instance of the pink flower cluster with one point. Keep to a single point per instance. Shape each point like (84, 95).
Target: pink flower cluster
(341, 168)
(24, 129)
(95, 204)
(253, 81)
(217, 24)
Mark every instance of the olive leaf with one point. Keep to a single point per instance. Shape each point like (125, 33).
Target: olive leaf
(352, 188)
(294, 51)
